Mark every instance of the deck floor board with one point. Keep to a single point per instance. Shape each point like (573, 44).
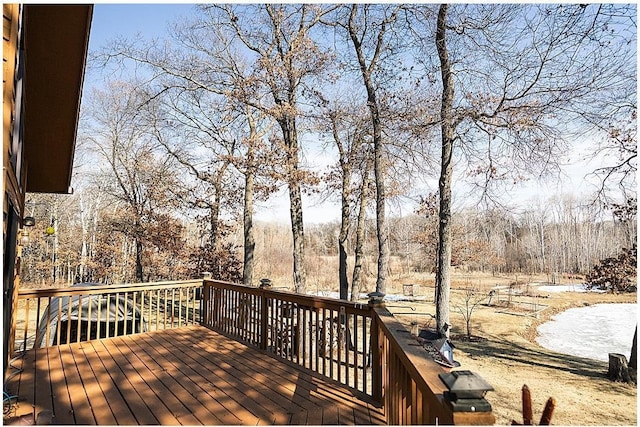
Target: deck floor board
(45, 362)
(203, 399)
(99, 402)
(107, 390)
(173, 393)
(268, 391)
(184, 376)
(126, 381)
(146, 385)
(79, 403)
(230, 375)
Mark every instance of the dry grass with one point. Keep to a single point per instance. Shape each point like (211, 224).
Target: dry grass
(507, 356)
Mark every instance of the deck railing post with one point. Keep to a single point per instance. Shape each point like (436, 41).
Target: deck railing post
(465, 398)
(205, 300)
(376, 299)
(14, 311)
(265, 285)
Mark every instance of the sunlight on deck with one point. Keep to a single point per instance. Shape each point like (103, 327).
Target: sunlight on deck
(188, 375)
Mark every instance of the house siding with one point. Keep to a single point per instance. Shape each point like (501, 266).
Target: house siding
(12, 160)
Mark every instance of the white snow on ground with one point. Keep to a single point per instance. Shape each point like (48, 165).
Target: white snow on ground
(331, 294)
(387, 298)
(579, 287)
(592, 332)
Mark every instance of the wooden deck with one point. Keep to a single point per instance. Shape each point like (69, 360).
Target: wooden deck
(188, 375)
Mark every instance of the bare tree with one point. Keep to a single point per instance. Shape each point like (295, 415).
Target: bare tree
(286, 58)
(517, 69)
(204, 161)
(227, 72)
(369, 31)
(363, 198)
(350, 135)
(205, 101)
(473, 296)
(345, 208)
(448, 125)
(136, 175)
(369, 45)
(256, 155)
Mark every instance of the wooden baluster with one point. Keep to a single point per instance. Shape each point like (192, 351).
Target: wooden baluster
(376, 360)
(98, 316)
(179, 307)
(79, 322)
(89, 314)
(125, 315)
(263, 320)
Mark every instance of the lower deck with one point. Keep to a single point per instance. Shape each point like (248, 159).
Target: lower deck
(184, 376)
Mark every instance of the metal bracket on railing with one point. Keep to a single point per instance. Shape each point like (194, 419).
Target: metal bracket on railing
(402, 306)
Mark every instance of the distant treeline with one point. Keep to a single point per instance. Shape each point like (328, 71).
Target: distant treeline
(92, 243)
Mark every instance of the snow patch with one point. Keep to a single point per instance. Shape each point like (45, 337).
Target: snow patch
(387, 298)
(579, 287)
(592, 332)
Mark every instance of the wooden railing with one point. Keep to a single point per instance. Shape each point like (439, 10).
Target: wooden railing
(413, 392)
(55, 316)
(359, 345)
(328, 336)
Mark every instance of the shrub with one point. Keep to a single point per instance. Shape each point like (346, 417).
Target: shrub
(223, 263)
(615, 274)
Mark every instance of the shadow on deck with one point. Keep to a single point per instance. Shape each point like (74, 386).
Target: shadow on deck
(184, 376)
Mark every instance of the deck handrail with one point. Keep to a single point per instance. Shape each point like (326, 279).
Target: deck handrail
(50, 315)
(413, 392)
(99, 288)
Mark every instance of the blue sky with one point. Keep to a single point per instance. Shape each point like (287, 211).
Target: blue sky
(148, 20)
(111, 20)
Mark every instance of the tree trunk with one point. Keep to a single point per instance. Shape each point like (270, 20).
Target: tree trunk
(618, 368)
(85, 232)
(381, 220)
(54, 253)
(344, 234)
(249, 187)
(342, 259)
(345, 208)
(443, 279)
(290, 138)
(249, 239)
(214, 215)
(94, 237)
(139, 272)
(356, 282)
(297, 228)
(379, 149)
